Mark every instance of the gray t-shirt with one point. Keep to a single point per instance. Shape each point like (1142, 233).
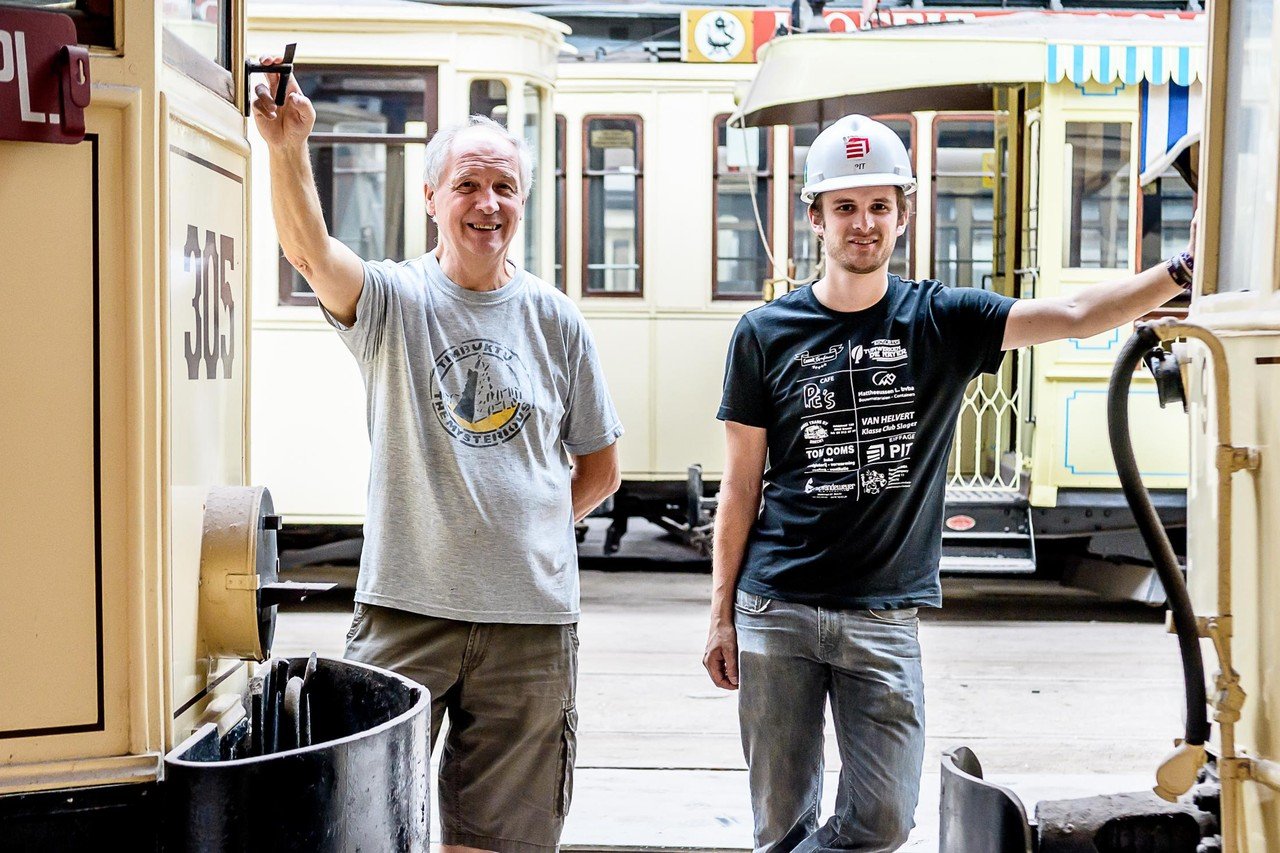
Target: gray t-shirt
(475, 401)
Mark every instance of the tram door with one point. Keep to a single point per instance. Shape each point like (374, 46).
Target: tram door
(123, 370)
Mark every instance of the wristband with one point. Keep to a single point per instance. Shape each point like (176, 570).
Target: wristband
(1181, 268)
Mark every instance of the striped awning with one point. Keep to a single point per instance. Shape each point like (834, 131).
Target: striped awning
(1172, 119)
(1125, 63)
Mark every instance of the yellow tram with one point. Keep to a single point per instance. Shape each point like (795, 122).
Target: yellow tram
(123, 366)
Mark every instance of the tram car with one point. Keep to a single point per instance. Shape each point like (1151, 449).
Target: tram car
(383, 76)
(665, 218)
(706, 236)
(138, 564)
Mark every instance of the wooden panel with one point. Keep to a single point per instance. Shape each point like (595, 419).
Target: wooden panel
(51, 678)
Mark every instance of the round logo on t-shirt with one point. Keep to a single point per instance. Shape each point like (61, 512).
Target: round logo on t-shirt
(480, 391)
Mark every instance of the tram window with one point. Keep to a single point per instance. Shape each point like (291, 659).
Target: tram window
(1167, 206)
(94, 19)
(963, 207)
(741, 265)
(561, 223)
(1249, 141)
(489, 99)
(612, 178)
(804, 244)
(203, 25)
(534, 105)
(1096, 228)
(367, 151)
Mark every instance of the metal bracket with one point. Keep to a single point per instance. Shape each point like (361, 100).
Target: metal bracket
(1232, 459)
(284, 69)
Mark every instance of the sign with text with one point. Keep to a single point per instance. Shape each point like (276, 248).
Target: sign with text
(44, 77)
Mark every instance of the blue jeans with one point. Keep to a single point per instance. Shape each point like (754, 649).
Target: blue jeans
(792, 658)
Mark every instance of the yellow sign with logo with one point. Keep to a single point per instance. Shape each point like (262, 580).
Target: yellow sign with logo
(718, 35)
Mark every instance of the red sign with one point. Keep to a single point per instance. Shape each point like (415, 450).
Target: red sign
(960, 523)
(44, 77)
(856, 147)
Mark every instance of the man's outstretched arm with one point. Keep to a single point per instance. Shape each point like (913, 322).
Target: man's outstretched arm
(739, 503)
(1094, 309)
(334, 272)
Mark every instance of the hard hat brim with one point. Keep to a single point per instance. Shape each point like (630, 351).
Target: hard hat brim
(846, 182)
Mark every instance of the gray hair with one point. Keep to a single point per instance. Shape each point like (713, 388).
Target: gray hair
(441, 145)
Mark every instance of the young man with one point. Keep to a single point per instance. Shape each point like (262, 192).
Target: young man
(850, 388)
(483, 387)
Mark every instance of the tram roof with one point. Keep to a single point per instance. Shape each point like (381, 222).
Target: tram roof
(261, 11)
(814, 77)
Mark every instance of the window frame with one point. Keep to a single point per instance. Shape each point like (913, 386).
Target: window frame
(586, 174)
(796, 182)
(765, 173)
(940, 119)
(1134, 208)
(431, 113)
(560, 202)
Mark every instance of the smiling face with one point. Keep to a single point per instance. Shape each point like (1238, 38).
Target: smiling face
(859, 226)
(479, 202)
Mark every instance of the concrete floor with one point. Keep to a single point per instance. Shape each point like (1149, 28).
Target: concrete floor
(1058, 693)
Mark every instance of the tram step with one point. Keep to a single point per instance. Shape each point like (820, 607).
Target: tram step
(988, 565)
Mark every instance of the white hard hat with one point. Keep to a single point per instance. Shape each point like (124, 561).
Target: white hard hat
(856, 151)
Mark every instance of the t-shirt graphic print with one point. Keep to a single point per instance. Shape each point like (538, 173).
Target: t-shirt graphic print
(859, 409)
(858, 419)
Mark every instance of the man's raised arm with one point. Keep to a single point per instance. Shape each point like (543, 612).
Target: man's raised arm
(334, 271)
(1098, 308)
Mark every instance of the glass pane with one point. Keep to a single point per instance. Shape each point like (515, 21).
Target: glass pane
(1167, 206)
(741, 263)
(489, 99)
(94, 19)
(964, 181)
(612, 213)
(613, 206)
(363, 188)
(1249, 144)
(533, 119)
(1096, 228)
(364, 102)
(611, 145)
(201, 24)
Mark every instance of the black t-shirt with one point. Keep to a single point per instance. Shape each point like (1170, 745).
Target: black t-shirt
(860, 409)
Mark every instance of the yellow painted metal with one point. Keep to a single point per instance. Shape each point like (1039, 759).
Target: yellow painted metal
(102, 646)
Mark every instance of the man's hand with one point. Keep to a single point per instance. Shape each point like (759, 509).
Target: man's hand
(721, 656)
(286, 125)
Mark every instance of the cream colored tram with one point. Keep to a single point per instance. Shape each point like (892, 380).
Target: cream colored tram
(124, 355)
(1043, 145)
(1233, 385)
(384, 75)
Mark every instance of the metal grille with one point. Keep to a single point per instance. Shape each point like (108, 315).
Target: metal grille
(986, 451)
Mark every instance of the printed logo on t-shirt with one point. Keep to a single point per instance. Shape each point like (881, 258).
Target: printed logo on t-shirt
(480, 393)
(858, 421)
(821, 359)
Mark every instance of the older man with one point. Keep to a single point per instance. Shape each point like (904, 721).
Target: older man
(492, 432)
(850, 388)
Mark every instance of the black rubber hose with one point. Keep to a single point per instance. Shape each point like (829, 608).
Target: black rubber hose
(1153, 533)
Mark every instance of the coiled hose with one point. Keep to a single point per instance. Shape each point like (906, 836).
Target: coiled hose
(1153, 533)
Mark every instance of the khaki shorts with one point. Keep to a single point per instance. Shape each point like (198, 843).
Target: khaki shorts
(506, 769)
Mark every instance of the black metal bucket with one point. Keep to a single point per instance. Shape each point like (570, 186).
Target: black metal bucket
(361, 784)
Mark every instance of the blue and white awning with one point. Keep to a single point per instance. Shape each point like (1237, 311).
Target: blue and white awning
(1172, 120)
(1128, 64)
